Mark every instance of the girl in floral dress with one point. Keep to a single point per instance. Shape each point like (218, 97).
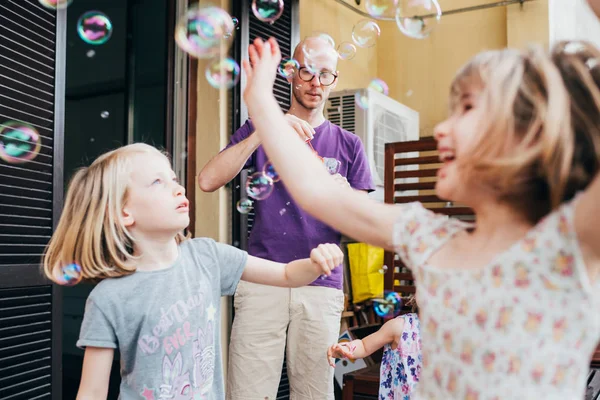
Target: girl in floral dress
(402, 361)
(509, 305)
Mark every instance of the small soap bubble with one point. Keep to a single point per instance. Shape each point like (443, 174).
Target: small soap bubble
(383, 270)
(94, 27)
(104, 114)
(409, 17)
(282, 211)
(389, 306)
(269, 170)
(381, 8)
(55, 4)
(235, 22)
(223, 73)
(365, 33)
(319, 52)
(244, 206)
(267, 10)
(409, 93)
(90, 53)
(332, 165)
(69, 275)
(288, 68)
(346, 51)
(259, 186)
(19, 142)
(377, 85)
(204, 32)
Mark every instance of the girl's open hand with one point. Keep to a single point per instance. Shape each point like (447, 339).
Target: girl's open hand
(340, 350)
(261, 69)
(326, 257)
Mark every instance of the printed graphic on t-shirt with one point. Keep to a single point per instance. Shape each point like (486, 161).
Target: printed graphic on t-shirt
(188, 354)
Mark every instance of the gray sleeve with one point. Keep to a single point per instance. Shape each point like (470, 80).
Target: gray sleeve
(231, 265)
(96, 329)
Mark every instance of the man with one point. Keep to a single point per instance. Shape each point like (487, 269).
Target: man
(306, 319)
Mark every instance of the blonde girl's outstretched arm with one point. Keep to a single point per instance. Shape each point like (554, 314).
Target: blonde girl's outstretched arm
(95, 375)
(304, 176)
(323, 259)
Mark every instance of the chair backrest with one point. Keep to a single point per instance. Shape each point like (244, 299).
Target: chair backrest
(410, 175)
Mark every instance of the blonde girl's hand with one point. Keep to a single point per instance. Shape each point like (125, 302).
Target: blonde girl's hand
(339, 350)
(261, 69)
(326, 257)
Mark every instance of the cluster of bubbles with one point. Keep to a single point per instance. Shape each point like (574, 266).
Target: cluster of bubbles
(19, 142)
(206, 32)
(414, 18)
(389, 306)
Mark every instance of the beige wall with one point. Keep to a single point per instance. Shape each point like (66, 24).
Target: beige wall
(419, 72)
(528, 24)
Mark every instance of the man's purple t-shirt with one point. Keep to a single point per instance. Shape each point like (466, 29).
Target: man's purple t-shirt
(282, 231)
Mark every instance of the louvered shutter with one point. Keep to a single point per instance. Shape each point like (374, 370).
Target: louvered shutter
(287, 32)
(32, 45)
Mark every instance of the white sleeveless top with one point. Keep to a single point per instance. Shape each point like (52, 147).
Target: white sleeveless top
(523, 327)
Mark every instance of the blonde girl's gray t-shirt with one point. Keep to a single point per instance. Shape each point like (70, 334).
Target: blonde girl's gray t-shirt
(166, 323)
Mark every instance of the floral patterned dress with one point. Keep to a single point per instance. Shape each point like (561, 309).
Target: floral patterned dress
(401, 367)
(524, 326)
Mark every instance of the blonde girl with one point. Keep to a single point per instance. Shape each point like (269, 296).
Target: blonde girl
(158, 300)
(509, 309)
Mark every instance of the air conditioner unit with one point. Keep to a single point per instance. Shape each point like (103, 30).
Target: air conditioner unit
(384, 120)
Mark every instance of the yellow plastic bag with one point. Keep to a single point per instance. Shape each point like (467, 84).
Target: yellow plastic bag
(366, 262)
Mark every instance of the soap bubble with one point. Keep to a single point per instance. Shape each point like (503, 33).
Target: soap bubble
(365, 33)
(319, 53)
(19, 142)
(383, 270)
(346, 51)
(104, 114)
(244, 206)
(389, 306)
(55, 4)
(259, 186)
(204, 32)
(377, 85)
(269, 170)
(267, 10)
(332, 165)
(288, 67)
(410, 21)
(94, 28)
(223, 73)
(381, 8)
(69, 275)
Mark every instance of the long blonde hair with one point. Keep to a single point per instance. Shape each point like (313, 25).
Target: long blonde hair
(526, 145)
(90, 231)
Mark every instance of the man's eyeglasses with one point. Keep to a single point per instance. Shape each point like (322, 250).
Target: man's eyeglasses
(326, 78)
